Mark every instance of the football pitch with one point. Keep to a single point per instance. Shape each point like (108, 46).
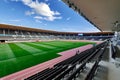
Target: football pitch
(18, 56)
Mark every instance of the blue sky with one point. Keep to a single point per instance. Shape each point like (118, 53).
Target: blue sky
(43, 14)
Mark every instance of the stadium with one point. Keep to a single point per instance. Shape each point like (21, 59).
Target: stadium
(40, 54)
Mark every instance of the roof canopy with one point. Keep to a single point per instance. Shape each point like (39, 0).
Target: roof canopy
(12, 27)
(104, 14)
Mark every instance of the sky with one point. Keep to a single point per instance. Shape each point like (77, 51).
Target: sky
(43, 14)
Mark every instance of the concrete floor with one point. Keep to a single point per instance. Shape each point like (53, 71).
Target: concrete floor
(106, 71)
(114, 71)
(110, 70)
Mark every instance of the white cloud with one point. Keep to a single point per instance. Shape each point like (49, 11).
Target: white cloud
(29, 13)
(38, 17)
(43, 10)
(15, 0)
(46, 0)
(16, 20)
(68, 29)
(47, 18)
(52, 18)
(26, 1)
(38, 21)
(68, 18)
(45, 24)
(57, 13)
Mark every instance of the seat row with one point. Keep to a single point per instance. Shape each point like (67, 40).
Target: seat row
(68, 66)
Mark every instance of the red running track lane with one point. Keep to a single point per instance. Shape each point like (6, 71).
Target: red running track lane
(35, 69)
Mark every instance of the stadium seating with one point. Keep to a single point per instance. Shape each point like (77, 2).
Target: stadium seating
(113, 50)
(24, 35)
(69, 67)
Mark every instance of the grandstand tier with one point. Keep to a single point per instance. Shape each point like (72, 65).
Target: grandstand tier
(18, 33)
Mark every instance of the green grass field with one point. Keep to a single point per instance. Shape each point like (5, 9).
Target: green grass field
(18, 56)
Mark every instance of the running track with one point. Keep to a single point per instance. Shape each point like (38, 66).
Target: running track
(35, 69)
